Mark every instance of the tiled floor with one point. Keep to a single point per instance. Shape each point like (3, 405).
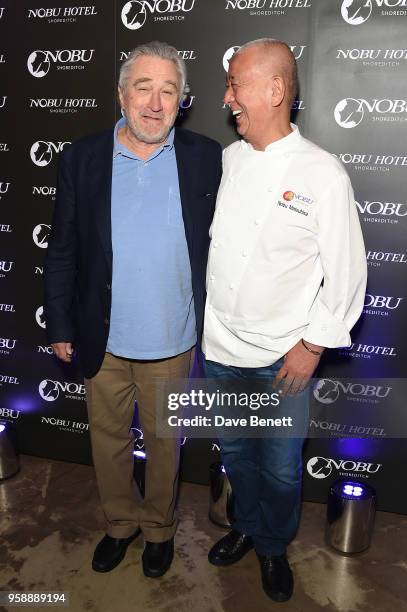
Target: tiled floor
(50, 523)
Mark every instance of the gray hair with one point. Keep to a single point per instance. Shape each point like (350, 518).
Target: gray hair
(289, 68)
(155, 48)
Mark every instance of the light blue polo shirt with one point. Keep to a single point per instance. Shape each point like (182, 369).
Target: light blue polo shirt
(152, 313)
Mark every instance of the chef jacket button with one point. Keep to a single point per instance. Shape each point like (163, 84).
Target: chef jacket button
(231, 179)
(286, 155)
(212, 277)
(226, 317)
(244, 254)
(324, 328)
(215, 244)
(231, 286)
(257, 222)
(270, 189)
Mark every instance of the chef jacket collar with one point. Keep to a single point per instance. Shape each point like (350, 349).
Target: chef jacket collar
(278, 146)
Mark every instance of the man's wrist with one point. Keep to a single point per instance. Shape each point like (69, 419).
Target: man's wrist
(314, 349)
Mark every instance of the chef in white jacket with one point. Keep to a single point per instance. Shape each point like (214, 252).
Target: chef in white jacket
(286, 278)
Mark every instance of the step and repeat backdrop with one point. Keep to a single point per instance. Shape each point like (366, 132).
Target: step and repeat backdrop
(59, 63)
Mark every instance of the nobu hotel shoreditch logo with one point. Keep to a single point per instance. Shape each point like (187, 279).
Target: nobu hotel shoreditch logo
(39, 62)
(61, 14)
(63, 105)
(135, 12)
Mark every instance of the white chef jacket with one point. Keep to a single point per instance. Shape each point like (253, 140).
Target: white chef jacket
(287, 259)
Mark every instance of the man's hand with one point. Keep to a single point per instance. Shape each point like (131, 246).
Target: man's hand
(63, 350)
(299, 365)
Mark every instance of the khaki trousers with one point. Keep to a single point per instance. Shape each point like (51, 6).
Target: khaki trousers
(111, 394)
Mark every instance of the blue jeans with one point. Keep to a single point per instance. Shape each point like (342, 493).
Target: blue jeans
(265, 473)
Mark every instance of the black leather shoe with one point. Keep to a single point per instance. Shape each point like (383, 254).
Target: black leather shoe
(277, 577)
(110, 551)
(231, 548)
(157, 557)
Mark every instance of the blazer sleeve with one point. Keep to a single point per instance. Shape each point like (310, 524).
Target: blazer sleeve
(60, 267)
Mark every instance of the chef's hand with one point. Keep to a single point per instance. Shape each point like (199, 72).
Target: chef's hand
(299, 365)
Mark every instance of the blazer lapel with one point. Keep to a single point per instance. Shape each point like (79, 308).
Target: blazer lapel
(101, 193)
(186, 166)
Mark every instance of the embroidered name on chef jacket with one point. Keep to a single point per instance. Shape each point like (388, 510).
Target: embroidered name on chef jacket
(295, 202)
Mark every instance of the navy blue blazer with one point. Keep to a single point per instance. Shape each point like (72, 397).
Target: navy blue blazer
(78, 265)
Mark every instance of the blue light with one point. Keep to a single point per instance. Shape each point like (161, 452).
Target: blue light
(139, 453)
(2, 428)
(353, 490)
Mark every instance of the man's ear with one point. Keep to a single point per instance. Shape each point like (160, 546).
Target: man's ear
(278, 90)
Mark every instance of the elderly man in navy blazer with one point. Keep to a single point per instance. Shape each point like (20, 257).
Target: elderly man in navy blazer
(125, 287)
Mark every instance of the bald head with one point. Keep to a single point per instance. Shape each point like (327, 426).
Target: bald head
(274, 57)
